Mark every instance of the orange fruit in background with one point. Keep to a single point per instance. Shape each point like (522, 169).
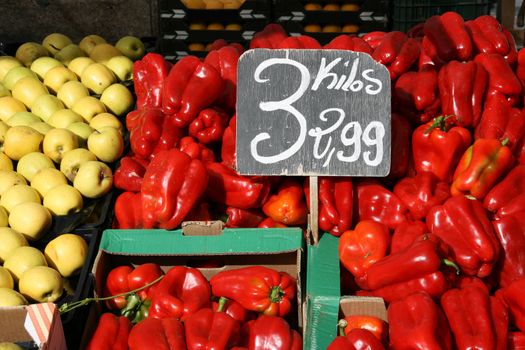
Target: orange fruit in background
(350, 28)
(331, 7)
(196, 47)
(197, 26)
(312, 28)
(233, 26)
(213, 4)
(312, 6)
(215, 26)
(232, 4)
(350, 7)
(194, 4)
(331, 28)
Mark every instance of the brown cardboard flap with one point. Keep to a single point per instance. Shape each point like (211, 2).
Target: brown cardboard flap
(366, 306)
(202, 228)
(12, 321)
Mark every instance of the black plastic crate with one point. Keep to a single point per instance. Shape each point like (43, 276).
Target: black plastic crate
(250, 10)
(407, 13)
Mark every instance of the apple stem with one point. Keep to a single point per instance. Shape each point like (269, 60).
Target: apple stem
(67, 307)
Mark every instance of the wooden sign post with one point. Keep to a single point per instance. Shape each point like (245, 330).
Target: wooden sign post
(312, 113)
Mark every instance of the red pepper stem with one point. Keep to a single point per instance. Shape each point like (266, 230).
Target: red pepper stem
(222, 304)
(66, 307)
(276, 294)
(341, 325)
(450, 263)
(505, 142)
(438, 123)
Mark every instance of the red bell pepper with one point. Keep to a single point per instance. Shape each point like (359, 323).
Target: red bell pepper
(397, 52)
(172, 184)
(416, 322)
(128, 210)
(128, 176)
(228, 151)
(200, 212)
(448, 34)
(155, 334)
(244, 218)
(149, 74)
(469, 314)
(513, 296)
(416, 95)
(299, 42)
(257, 288)
(462, 223)
(190, 87)
(400, 147)
(480, 167)
(288, 205)
(508, 196)
(500, 321)
(234, 310)
(516, 341)
(374, 38)
(438, 146)
(407, 233)
(356, 339)
(375, 202)
(227, 187)
(421, 192)
(501, 77)
(269, 37)
(224, 60)
(461, 90)
(270, 223)
(365, 245)
(182, 292)
(347, 42)
(510, 231)
(335, 203)
(111, 334)
(374, 325)
(501, 121)
(520, 69)
(208, 329)
(209, 125)
(271, 332)
(196, 150)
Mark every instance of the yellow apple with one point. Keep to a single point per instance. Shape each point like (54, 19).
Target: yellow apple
(22, 118)
(32, 163)
(77, 65)
(117, 99)
(30, 51)
(45, 106)
(10, 346)
(4, 91)
(42, 65)
(6, 280)
(42, 284)
(88, 107)
(57, 142)
(101, 53)
(4, 217)
(3, 130)
(107, 144)
(94, 179)
(55, 42)
(30, 219)
(63, 118)
(97, 77)
(131, 46)
(72, 160)
(18, 194)
(5, 162)
(90, 41)
(15, 74)
(28, 89)
(21, 140)
(10, 241)
(6, 63)
(22, 259)
(9, 106)
(106, 119)
(9, 178)
(41, 127)
(67, 254)
(63, 200)
(46, 179)
(68, 53)
(122, 67)
(10, 297)
(71, 92)
(58, 76)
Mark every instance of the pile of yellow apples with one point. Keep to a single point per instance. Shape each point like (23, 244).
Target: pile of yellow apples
(61, 106)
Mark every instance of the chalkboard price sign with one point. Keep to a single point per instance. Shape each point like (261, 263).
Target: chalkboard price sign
(312, 113)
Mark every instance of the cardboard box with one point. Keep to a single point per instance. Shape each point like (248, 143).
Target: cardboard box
(37, 324)
(324, 304)
(280, 249)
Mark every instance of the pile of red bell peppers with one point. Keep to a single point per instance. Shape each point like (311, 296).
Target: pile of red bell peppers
(245, 308)
(441, 239)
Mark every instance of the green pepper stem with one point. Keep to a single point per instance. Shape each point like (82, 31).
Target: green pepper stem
(71, 306)
(438, 123)
(450, 263)
(341, 325)
(276, 294)
(222, 304)
(505, 142)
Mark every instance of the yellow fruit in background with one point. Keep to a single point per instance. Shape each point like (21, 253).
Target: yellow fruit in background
(103, 52)
(350, 28)
(5, 162)
(6, 63)
(105, 119)
(232, 4)
(32, 163)
(107, 144)
(196, 47)
(9, 106)
(67, 254)
(46, 179)
(312, 28)
(22, 259)
(4, 218)
(197, 26)
(215, 26)
(63, 200)
(313, 6)
(331, 28)
(10, 346)
(28, 89)
(72, 161)
(18, 194)
(41, 127)
(78, 64)
(46, 105)
(4, 91)
(331, 7)
(30, 219)
(58, 76)
(57, 142)
(233, 26)
(88, 107)
(10, 297)
(30, 51)
(118, 99)
(10, 241)
(89, 42)
(55, 42)
(350, 7)
(71, 92)
(42, 65)
(21, 140)
(213, 4)
(9, 178)
(15, 74)
(82, 130)
(195, 4)
(22, 118)
(6, 280)
(63, 118)
(42, 284)
(97, 77)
